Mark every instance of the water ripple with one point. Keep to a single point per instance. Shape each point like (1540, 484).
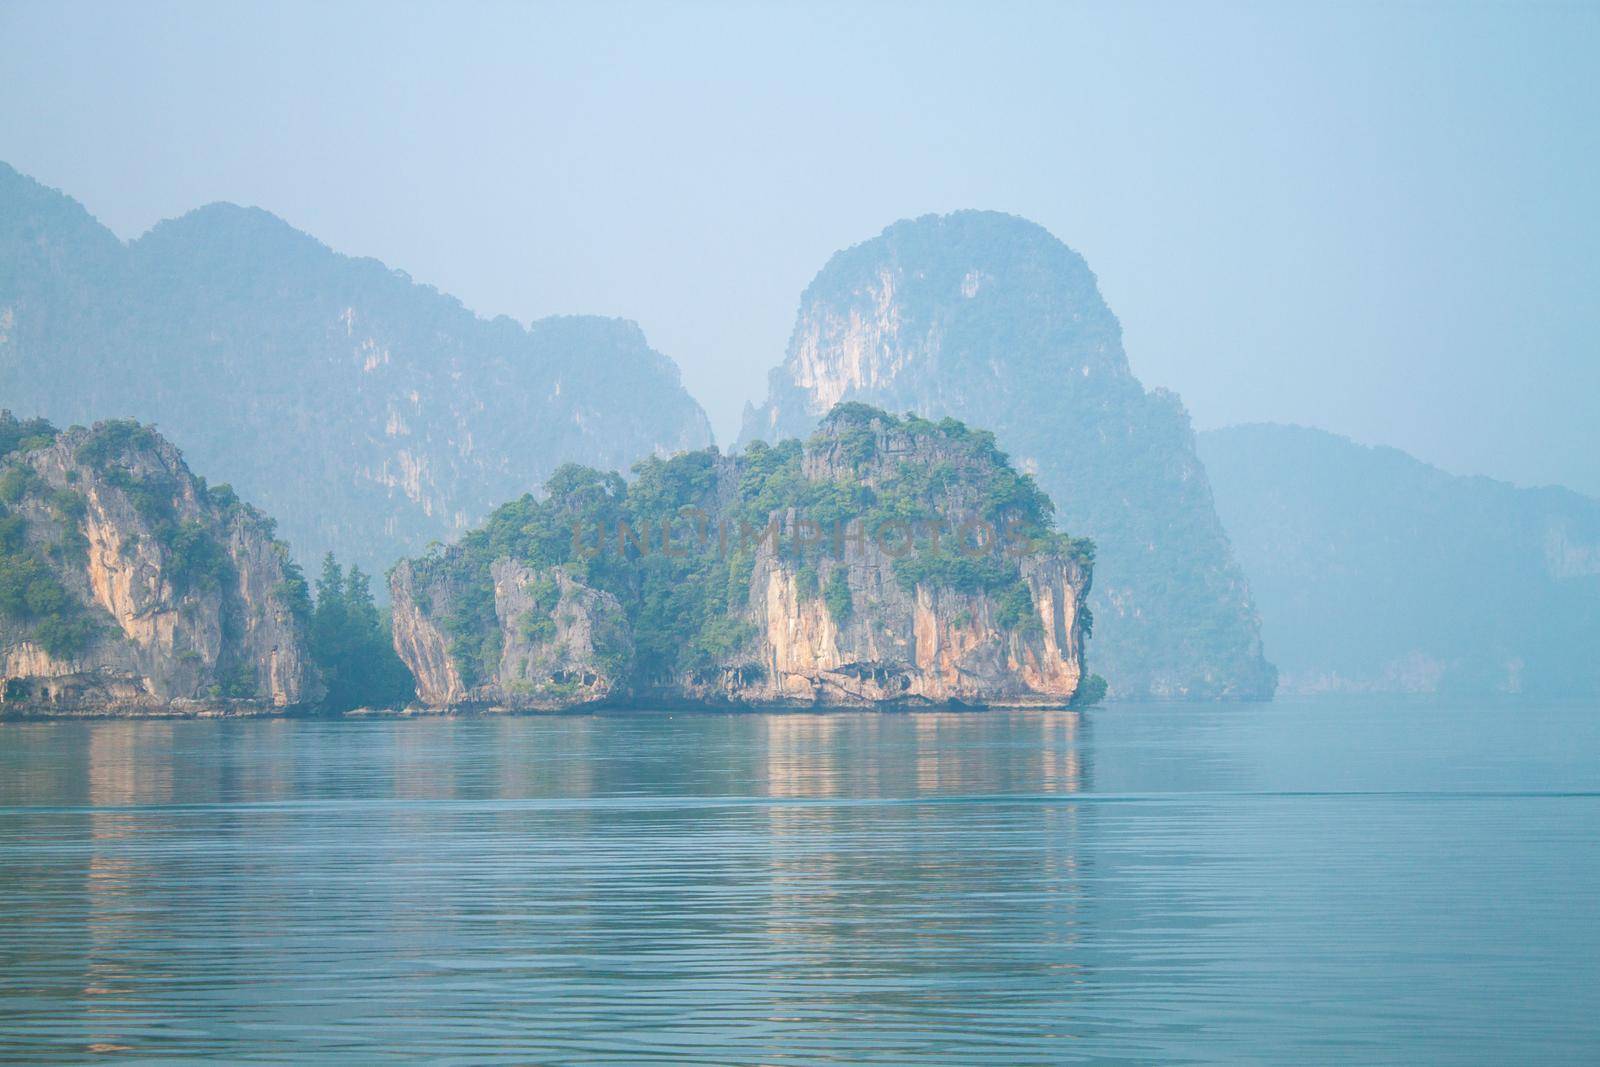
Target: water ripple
(1020, 888)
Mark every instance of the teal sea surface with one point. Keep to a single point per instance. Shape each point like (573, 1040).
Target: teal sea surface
(1370, 880)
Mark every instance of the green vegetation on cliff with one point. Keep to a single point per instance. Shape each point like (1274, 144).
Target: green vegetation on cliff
(32, 595)
(678, 545)
(168, 545)
(127, 582)
(988, 318)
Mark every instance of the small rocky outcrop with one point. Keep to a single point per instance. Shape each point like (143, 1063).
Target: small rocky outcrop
(796, 575)
(556, 642)
(129, 586)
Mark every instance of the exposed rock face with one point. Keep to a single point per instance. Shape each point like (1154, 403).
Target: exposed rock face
(873, 619)
(932, 644)
(576, 650)
(369, 414)
(1485, 587)
(991, 320)
(419, 639)
(560, 642)
(166, 594)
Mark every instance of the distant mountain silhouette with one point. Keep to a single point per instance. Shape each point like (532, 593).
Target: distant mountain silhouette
(1376, 572)
(368, 413)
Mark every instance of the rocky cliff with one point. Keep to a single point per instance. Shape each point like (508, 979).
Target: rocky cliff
(367, 413)
(932, 642)
(127, 585)
(560, 643)
(886, 561)
(989, 319)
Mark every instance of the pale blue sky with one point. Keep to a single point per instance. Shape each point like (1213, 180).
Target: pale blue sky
(1382, 220)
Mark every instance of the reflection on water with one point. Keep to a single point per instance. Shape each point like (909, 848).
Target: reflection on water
(1289, 883)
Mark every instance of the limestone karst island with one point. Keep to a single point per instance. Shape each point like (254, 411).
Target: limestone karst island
(886, 561)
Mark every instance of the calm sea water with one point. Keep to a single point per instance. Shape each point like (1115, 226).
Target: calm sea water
(1376, 881)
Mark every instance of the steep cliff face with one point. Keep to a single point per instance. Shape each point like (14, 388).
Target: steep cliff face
(379, 415)
(555, 642)
(418, 610)
(930, 644)
(991, 320)
(126, 584)
(885, 562)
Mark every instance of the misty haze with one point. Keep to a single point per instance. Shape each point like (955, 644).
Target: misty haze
(748, 534)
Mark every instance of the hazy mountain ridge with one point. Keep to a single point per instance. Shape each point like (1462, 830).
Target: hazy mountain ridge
(369, 413)
(1377, 572)
(990, 319)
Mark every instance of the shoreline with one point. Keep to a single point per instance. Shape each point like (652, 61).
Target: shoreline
(470, 711)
